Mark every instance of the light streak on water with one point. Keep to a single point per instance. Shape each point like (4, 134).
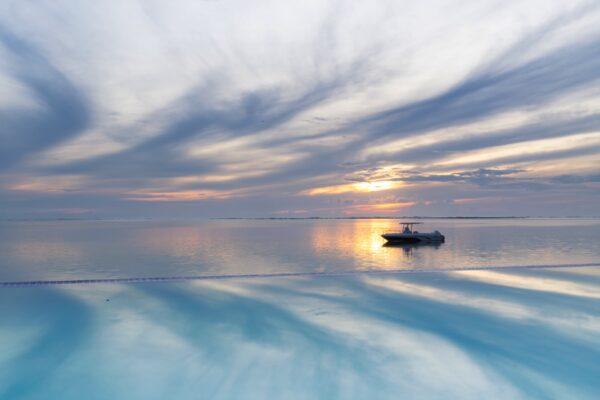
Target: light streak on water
(284, 275)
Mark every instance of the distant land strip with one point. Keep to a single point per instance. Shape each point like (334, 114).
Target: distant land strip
(142, 219)
(282, 275)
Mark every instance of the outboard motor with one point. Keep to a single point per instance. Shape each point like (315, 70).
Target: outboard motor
(438, 233)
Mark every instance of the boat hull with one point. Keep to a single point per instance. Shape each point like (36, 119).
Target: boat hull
(413, 238)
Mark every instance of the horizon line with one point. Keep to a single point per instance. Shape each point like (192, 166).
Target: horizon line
(293, 218)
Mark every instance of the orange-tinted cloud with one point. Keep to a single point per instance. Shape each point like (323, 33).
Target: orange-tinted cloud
(358, 187)
(184, 195)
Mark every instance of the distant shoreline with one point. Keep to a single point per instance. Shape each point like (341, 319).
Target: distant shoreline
(288, 218)
(375, 217)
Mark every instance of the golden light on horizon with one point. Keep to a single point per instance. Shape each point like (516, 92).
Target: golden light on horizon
(379, 207)
(357, 187)
(360, 241)
(375, 186)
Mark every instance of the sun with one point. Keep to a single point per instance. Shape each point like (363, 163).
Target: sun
(375, 186)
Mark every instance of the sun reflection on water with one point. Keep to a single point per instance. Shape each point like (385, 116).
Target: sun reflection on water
(361, 241)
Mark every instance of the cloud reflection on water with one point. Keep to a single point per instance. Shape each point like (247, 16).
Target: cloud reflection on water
(418, 336)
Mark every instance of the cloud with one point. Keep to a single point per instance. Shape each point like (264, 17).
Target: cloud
(194, 102)
(479, 175)
(575, 179)
(63, 110)
(491, 90)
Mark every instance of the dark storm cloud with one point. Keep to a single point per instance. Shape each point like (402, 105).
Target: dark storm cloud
(64, 109)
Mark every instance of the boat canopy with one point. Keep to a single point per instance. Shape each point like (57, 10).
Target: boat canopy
(407, 227)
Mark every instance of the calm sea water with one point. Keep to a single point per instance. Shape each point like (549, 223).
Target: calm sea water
(493, 334)
(124, 249)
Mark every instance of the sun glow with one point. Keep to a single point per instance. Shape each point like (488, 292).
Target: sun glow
(375, 186)
(358, 187)
(385, 208)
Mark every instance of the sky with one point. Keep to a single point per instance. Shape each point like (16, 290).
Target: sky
(189, 109)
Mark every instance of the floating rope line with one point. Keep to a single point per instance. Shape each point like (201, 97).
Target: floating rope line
(283, 275)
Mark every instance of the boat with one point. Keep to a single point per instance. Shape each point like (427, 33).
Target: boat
(409, 235)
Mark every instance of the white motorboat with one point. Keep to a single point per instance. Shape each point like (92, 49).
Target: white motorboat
(409, 235)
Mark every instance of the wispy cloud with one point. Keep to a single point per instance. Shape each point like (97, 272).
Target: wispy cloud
(60, 112)
(288, 102)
